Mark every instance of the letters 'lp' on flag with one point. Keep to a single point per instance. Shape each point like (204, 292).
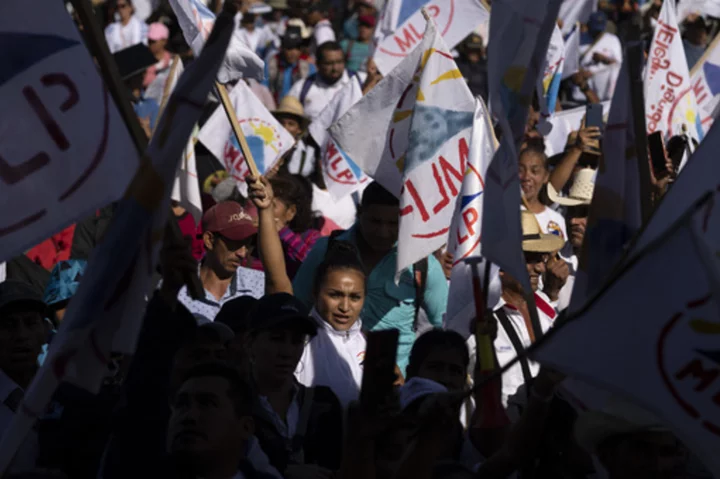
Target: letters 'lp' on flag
(454, 20)
(65, 151)
(342, 175)
(428, 144)
(266, 137)
(665, 348)
(106, 313)
(669, 99)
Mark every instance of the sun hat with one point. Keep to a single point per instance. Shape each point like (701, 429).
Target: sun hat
(534, 240)
(291, 107)
(581, 191)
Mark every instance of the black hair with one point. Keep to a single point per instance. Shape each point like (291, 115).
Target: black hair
(235, 314)
(534, 149)
(339, 255)
(330, 46)
(431, 341)
(292, 190)
(238, 391)
(376, 194)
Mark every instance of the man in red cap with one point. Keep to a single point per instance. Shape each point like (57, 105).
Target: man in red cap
(229, 237)
(357, 51)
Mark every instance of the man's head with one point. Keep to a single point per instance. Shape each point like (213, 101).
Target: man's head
(331, 62)
(473, 48)
(235, 314)
(248, 22)
(317, 12)
(365, 7)
(124, 9)
(291, 115)
(210, 420)
(378, 218)
(366, 26)
(291, 45)
(23, 330)
(158, 35)
(697, 32)
(596, 24)
(229, 236)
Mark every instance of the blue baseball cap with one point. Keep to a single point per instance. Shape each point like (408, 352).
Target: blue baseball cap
(597, 22)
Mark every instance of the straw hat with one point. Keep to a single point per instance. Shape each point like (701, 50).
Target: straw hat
(581, 191)
(291, 107)
(305, 32)
(534, 240)
(617, 418)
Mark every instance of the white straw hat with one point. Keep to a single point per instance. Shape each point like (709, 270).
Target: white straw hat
(581, 191)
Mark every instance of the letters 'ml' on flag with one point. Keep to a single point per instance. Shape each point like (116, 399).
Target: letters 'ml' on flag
(454, 20)
(615, 209)
(705, 79)
(267, 139)
(106, 313)
(427, 144)
(341, 174)
(64, 150)
(667, 358)
(669, 99)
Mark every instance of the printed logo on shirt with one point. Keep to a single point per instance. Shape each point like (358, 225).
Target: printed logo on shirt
(554, 229)
(361, 357)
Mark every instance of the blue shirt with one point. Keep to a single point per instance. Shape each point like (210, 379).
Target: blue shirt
(147, 107)
(286, 70)
(387, 305)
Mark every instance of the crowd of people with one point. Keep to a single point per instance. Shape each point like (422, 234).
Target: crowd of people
(260, 374)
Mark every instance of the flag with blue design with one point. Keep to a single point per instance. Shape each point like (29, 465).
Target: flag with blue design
(64, 150)
(106, 314)
(552, 71)
(705, 80)
(341, 174)
(670, 102)
(571, 64)
(267, 139)
(412, 134)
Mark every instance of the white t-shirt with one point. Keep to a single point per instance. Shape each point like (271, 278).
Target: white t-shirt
(343, 212)
(319, 94)
(302, 161)
(552, 222)
(323, 33)
(257, 40)
(566, 291)
(120, 37)
(604, 76)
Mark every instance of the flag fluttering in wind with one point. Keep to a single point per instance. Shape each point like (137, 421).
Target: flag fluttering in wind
(552, 73)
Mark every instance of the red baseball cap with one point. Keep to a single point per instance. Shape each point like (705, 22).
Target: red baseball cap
(368, 20)
(230, 220)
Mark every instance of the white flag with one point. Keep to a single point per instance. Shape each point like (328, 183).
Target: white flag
(464, 241)
(454, 20)
(705, 8)
(667, 358)
(565, 122)
(341, 174)
(65, 150)
(196, 21)
(106, 313)
(574, 11)
(669, 100)
(705, 79)
(267, 139)
(572, 53)
(548, 86)
(425, 136)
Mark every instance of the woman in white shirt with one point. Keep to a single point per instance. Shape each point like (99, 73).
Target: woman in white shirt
(127, 30)
(334, 357)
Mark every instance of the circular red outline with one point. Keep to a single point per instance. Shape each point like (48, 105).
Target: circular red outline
(447, 27)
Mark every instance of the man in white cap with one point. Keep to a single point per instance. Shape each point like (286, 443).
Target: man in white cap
(515, 331)
(578, 208)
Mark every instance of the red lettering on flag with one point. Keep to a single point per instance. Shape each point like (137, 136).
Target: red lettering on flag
(438, 180)
(408, 41)
(699, 91)
(418, 201)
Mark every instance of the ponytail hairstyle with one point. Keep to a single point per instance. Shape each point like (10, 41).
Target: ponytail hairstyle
(340, 255)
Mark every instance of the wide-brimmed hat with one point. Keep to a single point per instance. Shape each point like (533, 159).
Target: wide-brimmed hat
(291, 107)
(617, 418)
(534, 240)
(305, 32)
(581, 191)
(278, 4)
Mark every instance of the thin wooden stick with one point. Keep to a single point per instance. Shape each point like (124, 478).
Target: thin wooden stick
(167, 89)
(239, 135)
(705, 55)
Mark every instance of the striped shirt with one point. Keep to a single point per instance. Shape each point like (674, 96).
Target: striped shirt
(296, 247)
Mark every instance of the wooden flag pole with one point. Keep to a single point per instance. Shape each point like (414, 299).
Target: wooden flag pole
(708, 51)
(167, 87)
(239, 135)
(110, 73)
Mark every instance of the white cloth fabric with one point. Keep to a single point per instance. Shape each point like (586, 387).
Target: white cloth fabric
(3, 273)
(323, 33)
(120, 37)
(604, 76)
(552, 222)
(566, 291)
(319, 94)
(513, 377)
(334, 359)
(343, 212)
(257, 40)
(297, 165)
(144, 8)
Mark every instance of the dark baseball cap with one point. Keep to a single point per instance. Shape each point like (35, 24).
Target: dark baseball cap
(14, 292)
(368, 20)
(230, 220)
(273, 310)
(236, 313)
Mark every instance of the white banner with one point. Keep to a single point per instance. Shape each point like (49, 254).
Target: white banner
(705, 78)
(454, 19)
(267, 139)
(669, 99)
(65, 150)
(704, 8)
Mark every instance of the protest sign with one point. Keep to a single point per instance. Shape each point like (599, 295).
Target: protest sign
(65, 150)
(341, 174)
(454, 19)
(665, 349)
(267, 139)
(705, 79)
(669, 99)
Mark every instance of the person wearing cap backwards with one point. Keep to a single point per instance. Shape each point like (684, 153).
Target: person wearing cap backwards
(578, 209)
(357, 51)
(318, 15)
(229, 237)
(284, 68)
(514, 324)
(158, 35)
(600, 56)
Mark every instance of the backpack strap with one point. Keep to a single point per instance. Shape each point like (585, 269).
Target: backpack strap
(517, 344)
(307, 84)
(420, 273)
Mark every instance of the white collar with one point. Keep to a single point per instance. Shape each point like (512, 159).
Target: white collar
(354, 329)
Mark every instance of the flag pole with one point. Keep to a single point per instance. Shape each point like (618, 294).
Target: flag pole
(239, 135)
(111, 75)
(708, 51)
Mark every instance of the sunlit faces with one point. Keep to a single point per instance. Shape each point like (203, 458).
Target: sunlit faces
(341, 298)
